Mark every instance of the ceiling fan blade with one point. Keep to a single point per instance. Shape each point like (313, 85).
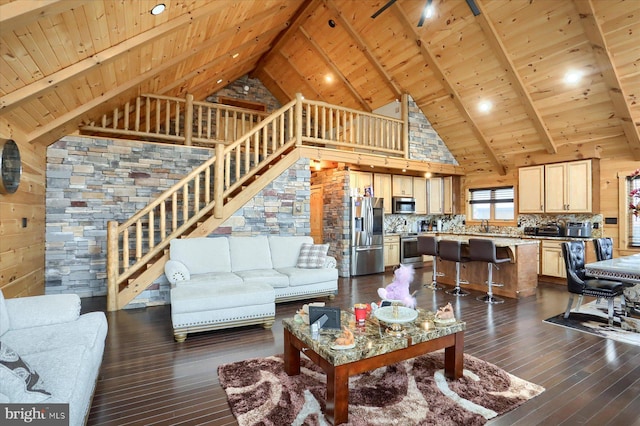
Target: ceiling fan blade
(423, 15)
(383, 8)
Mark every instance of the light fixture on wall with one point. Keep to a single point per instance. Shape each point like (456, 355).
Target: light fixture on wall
(158, 9)
(246, 89)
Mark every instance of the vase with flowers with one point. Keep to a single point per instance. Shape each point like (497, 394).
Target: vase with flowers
(634, 195)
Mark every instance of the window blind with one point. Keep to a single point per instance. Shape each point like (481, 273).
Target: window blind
(492, 195)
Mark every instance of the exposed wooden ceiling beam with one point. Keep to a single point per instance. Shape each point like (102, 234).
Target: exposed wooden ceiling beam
(301, 15)
(449, 87)
(272, 86)
(66, 123)
(303, 79)
(364, 48)
(327, 60)
(605, 62)
(516, 82)
(21, 13)
(79, 69)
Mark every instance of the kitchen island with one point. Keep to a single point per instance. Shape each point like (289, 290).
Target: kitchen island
(519, 276)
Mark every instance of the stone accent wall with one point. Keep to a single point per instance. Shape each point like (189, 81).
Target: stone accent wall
(256, 93)
(91, 181)
(424, 142)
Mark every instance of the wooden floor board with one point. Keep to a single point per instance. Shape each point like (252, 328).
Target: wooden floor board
(149, 379)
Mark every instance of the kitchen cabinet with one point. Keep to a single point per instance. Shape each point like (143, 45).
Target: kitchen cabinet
(402, 186)
(552, 261)
(435, 190)
(420, 194)
(447, 195)
(391, 250)
(531, 189)
(568, 187)
(360, 180)
(382, 189)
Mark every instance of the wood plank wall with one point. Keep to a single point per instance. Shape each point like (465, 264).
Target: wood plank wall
(22, 247)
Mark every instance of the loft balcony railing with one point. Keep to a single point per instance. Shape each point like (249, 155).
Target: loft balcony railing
(258, 141)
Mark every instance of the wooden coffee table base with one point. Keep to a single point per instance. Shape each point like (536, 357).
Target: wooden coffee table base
(338, 376)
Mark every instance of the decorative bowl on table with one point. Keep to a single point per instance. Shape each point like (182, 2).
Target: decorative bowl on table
(395, 316)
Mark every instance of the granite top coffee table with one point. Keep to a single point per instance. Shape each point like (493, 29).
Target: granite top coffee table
(374, 348)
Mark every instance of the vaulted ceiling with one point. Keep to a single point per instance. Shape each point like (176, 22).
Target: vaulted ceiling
(66, 62)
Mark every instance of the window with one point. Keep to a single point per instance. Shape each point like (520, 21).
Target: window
(634, 221)
(492, 203)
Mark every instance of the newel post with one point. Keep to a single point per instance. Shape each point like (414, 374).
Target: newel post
(405, 124)
(188, 120)
(298, 119)
(218, 181)
(112, 265)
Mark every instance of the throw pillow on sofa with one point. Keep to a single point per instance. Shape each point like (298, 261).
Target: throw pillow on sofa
(18, 380)
(176, 271)
(312, 256)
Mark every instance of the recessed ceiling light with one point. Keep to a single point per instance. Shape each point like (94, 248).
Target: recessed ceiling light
(573, 77)
(235, 55)
(328, 78)
(485, 106)
(158, 9)
(219, 81)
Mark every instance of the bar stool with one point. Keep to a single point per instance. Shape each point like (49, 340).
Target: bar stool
(484, 250)
(429, 246)
(452, 251)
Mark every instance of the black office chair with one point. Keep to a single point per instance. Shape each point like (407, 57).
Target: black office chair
(484, 250)
(578, 283)
(604, 248)
(428, 246)
(452, 251)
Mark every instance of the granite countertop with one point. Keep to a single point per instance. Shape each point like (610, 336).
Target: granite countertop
(500, 241)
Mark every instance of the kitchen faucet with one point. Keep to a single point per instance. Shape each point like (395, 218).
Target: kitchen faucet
(484, 225)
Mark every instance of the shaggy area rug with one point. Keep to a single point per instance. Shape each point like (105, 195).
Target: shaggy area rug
(413, 392)
(592, 318)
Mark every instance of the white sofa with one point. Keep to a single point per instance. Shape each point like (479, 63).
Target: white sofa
(222, 282)
(49, 353)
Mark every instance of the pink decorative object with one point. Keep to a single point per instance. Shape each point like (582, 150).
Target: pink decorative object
(399, 288)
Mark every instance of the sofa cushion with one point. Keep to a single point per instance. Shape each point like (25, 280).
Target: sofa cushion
(299, 276)
(202, 297)
(267, 276)
(89, 330)
(312, 255)
(213, 278)
(285, 249)
(176, 271)
(18, 380)
(249, 253)
(201, 255)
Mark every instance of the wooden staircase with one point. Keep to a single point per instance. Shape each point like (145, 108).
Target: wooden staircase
(195, 206)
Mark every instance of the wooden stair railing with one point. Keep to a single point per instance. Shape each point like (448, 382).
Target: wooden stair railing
(136, 245)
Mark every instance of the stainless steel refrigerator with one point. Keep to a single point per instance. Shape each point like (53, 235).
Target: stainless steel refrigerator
(367, 229)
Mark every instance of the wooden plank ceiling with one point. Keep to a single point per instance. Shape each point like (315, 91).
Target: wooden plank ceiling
(65, 62)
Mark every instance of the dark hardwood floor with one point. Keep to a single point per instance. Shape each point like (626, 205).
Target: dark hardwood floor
(147, 378)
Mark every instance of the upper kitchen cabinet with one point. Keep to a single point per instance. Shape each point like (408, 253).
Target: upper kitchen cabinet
(382, 189)
(559, 188)
(360, 180)
(436, 199)
(447, 195)
(402, 186)
(420, 194)
(569, 187)
(531, 189)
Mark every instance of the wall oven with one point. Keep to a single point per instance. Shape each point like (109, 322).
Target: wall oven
(409, 254)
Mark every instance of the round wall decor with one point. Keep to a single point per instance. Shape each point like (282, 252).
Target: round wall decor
(10, 166)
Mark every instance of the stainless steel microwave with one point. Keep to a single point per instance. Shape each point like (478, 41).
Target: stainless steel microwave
(403, 205)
